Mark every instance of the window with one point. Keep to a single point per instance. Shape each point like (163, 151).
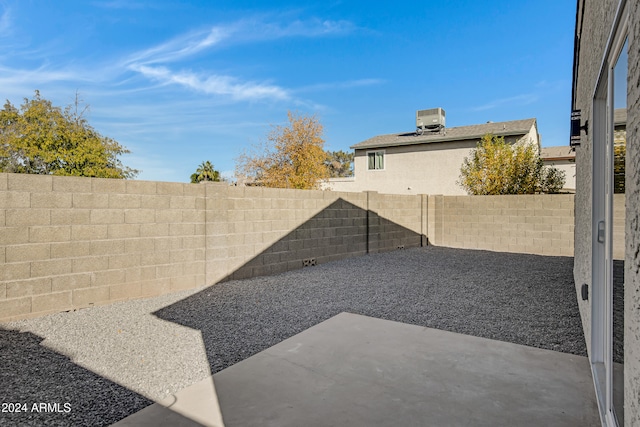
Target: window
(375, 160)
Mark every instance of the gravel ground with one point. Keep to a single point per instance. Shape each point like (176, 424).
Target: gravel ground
(108, 362)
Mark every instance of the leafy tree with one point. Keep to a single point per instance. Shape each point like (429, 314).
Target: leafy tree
(496, 167)
(339, 163)
(40, 138)
(551, 180)
(205, 172)
(292, 157)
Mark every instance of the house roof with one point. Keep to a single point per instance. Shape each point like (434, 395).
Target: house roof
(557, 153)
(461, 133)
(620, 116)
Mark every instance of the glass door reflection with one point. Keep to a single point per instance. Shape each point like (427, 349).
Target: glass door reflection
(618, 154)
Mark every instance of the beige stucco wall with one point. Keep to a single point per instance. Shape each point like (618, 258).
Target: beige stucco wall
(632, 226)
(569, 170)
(597, 27)
(347, 184)
(416, 169)
(420, 169)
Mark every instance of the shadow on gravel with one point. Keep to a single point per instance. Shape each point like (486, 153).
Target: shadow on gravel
(519, 298)
(43, 388)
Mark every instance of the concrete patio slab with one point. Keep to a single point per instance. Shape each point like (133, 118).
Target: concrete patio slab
(361, 371)
(196, 405)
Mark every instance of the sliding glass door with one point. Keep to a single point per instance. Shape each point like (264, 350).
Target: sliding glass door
(609, 152)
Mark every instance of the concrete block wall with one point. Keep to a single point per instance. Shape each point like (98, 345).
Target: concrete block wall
(618, 226)
(70, 242)
(395, 221)
(257, 231)
(537, 224)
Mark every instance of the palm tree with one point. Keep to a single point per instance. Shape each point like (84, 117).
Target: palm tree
(205, 172)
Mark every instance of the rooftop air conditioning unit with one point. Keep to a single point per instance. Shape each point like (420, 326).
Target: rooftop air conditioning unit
(432, 120)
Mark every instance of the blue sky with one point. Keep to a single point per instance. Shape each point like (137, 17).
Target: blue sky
(180, 82)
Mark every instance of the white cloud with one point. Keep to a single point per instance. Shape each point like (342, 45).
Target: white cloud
(179, 48)
(12, 76)
(167, 63)
(524, 99)
(259, 30)
(243, 31)
(151, 63)
(214, 84)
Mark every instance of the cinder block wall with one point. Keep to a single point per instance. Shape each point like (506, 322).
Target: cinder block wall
(618, 226)
(69, 243)
(395, 221)
(257, 231)
(537, 224)
(73, 242)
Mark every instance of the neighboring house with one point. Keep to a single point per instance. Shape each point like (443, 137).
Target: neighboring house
(606, 117)
(409, 163)
(564, 159)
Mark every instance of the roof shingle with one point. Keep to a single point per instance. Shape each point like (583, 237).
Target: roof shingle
(460, 133)
(557, 153)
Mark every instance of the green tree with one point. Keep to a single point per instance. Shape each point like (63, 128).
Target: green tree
(552, 180)
(292, 157)
(496, 167)
(339, 163)
(205, 172)
(40, 138)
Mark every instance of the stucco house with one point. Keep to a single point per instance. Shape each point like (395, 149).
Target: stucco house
(564, 159)
(605, 119)
(427, 163)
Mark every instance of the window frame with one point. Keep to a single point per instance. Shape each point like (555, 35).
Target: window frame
(375, 152)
